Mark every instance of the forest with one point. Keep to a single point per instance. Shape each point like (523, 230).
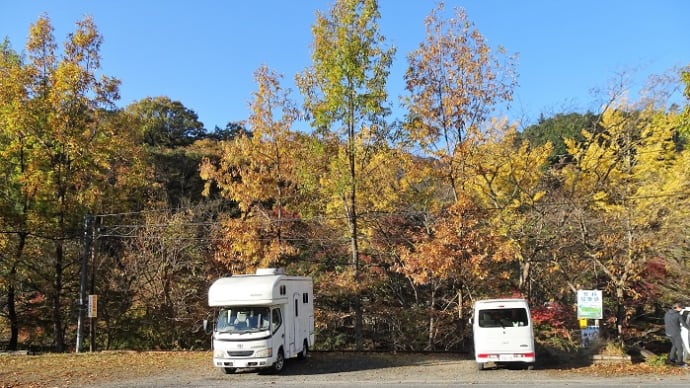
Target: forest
(402, 222)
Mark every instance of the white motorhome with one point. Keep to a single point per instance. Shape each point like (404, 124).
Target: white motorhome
(263, 319)
(503, 334)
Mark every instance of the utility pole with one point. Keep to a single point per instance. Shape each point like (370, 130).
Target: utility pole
(88, 233)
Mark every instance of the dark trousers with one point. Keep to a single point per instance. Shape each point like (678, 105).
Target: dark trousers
(676, 353)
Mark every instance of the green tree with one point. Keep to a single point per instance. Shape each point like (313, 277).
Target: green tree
(66, 153)
(344, 95)
(556, 129)
(166, 123)
(169, 130)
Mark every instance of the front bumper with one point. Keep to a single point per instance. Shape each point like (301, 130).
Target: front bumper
(242, 362)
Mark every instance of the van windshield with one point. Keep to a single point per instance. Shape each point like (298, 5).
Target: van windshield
(243, 319)
(510, 317)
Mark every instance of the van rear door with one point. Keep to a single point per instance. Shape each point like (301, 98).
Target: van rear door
(503, 333)
(506, 328)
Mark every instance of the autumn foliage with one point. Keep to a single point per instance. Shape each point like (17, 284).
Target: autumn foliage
(403, 222)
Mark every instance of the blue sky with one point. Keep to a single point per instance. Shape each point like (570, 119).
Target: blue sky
(204, 53)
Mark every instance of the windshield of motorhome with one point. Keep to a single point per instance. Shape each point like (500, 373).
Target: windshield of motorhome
(514, 317)
(243, 319)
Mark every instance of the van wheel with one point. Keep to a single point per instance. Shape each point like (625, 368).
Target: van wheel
(480, 366)
(280, 362)
(305, 350)
(228, 371)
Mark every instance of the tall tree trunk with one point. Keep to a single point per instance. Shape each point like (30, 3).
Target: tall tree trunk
(353, 219)
(525, 266)
(12, 294)
(12, 312)
(56, 300)
(354, 243)
(432, 305)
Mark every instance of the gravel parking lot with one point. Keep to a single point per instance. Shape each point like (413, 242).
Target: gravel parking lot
(408, 370)
(347, 369)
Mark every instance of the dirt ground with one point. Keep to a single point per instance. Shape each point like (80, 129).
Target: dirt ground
(194, 369)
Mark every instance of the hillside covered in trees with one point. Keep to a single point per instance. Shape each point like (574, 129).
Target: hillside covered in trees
(402, 221)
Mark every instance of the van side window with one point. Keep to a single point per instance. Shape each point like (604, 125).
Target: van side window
(276, 319)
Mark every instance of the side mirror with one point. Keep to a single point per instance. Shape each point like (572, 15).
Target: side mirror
(207, 327)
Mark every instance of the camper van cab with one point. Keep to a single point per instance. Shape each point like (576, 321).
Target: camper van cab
(502, 331)
(263, 319)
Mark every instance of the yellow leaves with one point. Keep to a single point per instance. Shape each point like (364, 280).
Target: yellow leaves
(629, 162)
(68, 150)
(260, 170)
(245, 245)
(626, 179)
(601, 200)
(538, 196)
(507, 173)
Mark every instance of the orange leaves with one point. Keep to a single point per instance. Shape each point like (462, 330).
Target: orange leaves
(453, 244)
(453, 81)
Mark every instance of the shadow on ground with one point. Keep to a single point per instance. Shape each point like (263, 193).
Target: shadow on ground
(340, 362)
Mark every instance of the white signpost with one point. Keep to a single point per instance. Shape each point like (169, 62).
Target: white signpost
(589, 306)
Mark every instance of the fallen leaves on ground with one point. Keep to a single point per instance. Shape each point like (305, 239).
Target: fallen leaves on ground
(69, 370)
(637, 369)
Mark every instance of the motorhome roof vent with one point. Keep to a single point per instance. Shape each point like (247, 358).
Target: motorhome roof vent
(270, 271)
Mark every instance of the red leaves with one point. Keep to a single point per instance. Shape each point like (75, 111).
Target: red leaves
(554, 319)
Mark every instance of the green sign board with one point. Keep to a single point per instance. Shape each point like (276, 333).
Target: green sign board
(589, 304)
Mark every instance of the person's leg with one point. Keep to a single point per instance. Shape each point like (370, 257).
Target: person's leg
(672, 352)
(676, 354)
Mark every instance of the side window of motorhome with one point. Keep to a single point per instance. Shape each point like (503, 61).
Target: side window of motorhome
(305, 297)
(514, 317)
(276, 319)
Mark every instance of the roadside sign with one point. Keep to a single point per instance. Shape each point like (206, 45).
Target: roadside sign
(589, 304)
(93, 306)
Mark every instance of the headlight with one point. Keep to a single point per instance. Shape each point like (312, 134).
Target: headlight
(219, 354)
(263, 353)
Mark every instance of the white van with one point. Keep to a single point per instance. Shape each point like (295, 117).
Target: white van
(502, 331)
(263, 319)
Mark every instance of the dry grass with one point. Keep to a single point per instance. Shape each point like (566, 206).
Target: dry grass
(70, 370)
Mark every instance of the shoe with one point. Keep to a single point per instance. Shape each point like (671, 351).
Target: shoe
(681, 364)
(671, 362)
